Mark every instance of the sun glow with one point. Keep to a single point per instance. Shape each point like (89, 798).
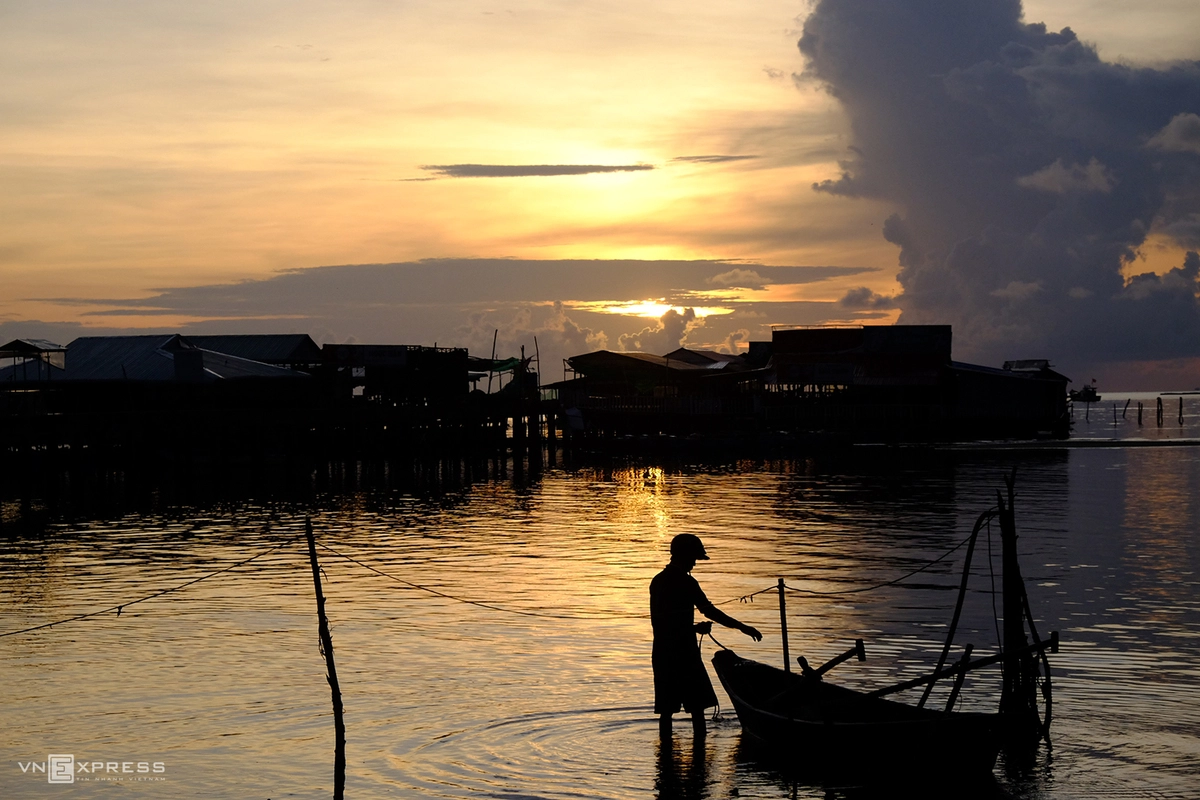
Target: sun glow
(651, 309)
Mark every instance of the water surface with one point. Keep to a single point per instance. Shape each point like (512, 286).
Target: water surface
(224, 684)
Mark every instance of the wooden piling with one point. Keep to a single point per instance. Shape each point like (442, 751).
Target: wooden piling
(1126, 408)
(1139, 413)
(960, 677)
(787, 659)
(339, 724)
(1018, 695)
(1159, 417)
(1181, 410)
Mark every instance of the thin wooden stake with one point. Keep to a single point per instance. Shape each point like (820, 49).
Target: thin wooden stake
(787, 659)
(339, 725)
(958, 679)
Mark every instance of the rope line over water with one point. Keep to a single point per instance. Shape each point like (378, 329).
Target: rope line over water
(860, 589)
(122, 606)
(478, 603)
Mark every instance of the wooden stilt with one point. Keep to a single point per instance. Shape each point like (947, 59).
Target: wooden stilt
(1018, 695)
(339, 724)
(787, 659)
(959, 678)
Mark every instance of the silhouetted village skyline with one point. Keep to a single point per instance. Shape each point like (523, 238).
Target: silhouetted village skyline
(284, 396)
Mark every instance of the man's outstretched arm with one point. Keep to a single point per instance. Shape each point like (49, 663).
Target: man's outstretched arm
(720, 617)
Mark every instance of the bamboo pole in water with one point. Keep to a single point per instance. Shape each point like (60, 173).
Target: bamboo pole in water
(787, 659)
(339, 724)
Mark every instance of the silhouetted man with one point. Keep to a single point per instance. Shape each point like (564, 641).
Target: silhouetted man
(679, 675)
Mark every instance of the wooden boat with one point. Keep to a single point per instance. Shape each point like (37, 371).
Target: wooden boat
(841, 730)
(824, 728)
(1087, 394)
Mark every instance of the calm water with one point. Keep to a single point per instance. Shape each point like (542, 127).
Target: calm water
(223, 682)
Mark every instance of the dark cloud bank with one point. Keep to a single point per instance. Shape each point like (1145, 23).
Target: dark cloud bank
(1028, 172)
(540, 305)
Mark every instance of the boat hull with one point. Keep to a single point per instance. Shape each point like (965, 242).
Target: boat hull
(828, 729)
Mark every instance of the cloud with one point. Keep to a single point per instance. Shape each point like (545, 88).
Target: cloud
(733, 340)
(863, 299)
(738, 278)
(1179, 281)
(1181, 135)
(1059, 179)
(1185, 231)
(545, 331)
(1018, 290)
(711, 159)
(1026, 172)
(546, 306)
(527, 170)
(670, 333)
(774, 74)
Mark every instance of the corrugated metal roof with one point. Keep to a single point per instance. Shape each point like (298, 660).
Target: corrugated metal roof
(604, 359)
(270, 348)
(229, 367)
(709, 359)
(27, 347)
(114, 358)
(32, 369)
(151, 358)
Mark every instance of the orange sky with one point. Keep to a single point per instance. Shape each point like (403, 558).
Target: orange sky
(146, 146)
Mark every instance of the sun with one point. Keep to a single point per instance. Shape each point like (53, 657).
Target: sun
(651, 309)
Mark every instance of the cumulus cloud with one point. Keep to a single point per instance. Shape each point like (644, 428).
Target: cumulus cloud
(545, 331)
(739, 279)
(1027, 173)
(1017, 290)
(1185, 231)
(669, 334)
(734, 340)
(1060, 179)
(1179, 281)
(1181, 135)
(527, 170)
(863, 299)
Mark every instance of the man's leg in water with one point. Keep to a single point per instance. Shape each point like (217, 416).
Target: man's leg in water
(664, 724)
(698, 726)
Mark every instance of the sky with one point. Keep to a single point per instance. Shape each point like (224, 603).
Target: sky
(569, 176)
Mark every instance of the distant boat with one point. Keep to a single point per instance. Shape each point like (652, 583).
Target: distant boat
(1085, 395)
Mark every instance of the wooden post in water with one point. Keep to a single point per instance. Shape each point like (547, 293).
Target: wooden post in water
(1126, 408)
(787, 658)
(1181, 409)
(1018, 696)
(1159, 417)
(1139, 413)
(960, 677)
(339, 725)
